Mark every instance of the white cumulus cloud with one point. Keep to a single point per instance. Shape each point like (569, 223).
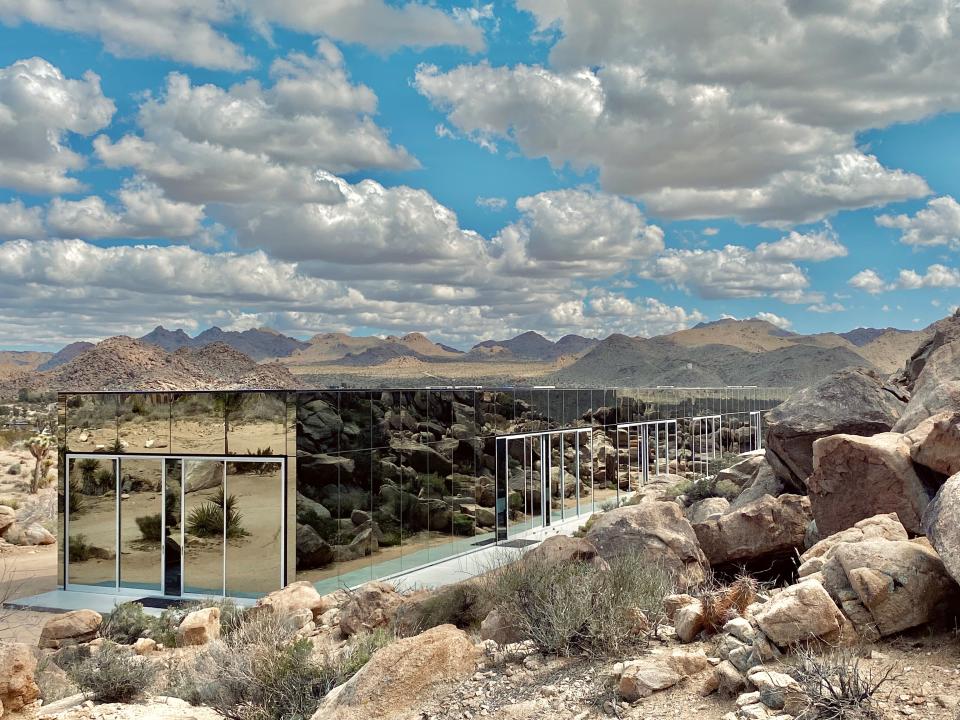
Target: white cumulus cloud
(936, 224)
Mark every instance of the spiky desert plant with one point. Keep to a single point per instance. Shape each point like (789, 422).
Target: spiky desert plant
(38, 446)
(727, 603)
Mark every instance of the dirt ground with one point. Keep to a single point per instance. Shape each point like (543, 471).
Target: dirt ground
(925, 686)
(25, 571)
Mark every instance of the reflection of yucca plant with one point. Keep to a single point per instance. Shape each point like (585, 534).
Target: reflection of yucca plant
(206, 520)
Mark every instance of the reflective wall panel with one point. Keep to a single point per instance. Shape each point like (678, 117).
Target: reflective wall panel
(204, 524)
(141, 523)
(92, 523)
(254, 522)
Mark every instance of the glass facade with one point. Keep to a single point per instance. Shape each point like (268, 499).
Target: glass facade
(237, 493)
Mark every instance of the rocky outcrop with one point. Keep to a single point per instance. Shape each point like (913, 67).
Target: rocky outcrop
(885, 586)
(32, 534)
(703, 509)
(369, 607)
(8, 516)
(933, 376)
(17, 686)
(878, 527)
(855, 402)
(935, 443)
(656, 532)
(762, 529)
(858, 477)
(72, 628)
(199, 627)
(402, 676)
(941, 523)
(763, 482)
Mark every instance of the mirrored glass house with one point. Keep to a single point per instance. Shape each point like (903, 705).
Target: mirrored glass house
(184, 494)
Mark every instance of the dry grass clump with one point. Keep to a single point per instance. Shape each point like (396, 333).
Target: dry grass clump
(722, 605)
(838, 685)
(584, 608)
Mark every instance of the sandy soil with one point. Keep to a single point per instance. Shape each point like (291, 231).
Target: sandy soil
(253, 560)
(181, 436)
(410, 369)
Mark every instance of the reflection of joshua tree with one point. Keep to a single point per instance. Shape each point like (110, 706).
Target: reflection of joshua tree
(227, 404)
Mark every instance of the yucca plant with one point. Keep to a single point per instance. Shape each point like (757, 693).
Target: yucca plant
(206, 520)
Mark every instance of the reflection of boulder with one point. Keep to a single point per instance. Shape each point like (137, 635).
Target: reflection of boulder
(318, 425)
(203, 476)
(312, 550)
(432, 515)
(305, 504)
(423, 458)
(323, 469)
(484, 516)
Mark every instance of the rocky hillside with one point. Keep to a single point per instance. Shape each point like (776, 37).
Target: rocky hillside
(532, 346)
(259, 343)
(122, 363)
(626, 361)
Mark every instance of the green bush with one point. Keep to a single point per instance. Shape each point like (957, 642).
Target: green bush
(80, 549)
(464, 604)
(580, 607)
(263, 672)
(464, 525)
(113, 674)
(127, 623)
(150, 527)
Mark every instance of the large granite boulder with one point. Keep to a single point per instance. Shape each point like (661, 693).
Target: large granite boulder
(199, 627)
(562, 549)
(655, 531)
(370, 606)
(402, 676)
(706, 508)
(932, 376)
(935, 443)
(17, 685)
(799, 613)
(885, 586)
(742, 472)
(765, 528)
(8, 516)
(763, 482)
(71, 628)
(423, 458)
(941, 523)
(878, 527)
(852, 401)
(295, 597)
(858, 477)
(324, 469)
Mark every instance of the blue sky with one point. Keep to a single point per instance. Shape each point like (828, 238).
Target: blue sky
(475, 169)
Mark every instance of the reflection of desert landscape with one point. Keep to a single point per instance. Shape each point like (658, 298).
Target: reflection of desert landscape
(253, 502)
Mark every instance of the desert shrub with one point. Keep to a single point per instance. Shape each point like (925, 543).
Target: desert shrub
(838, 686)
(391, 538)
(126, 623)
(11, 503)
(580, 608)
(14, 469)
(705, 487)
(150, 527)
(433, 485)
(463, 604)
(206, 520)
(463, 525)
(112, 674)
(262, 671)
(585, 528)
(80, 549)
(78, 501)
